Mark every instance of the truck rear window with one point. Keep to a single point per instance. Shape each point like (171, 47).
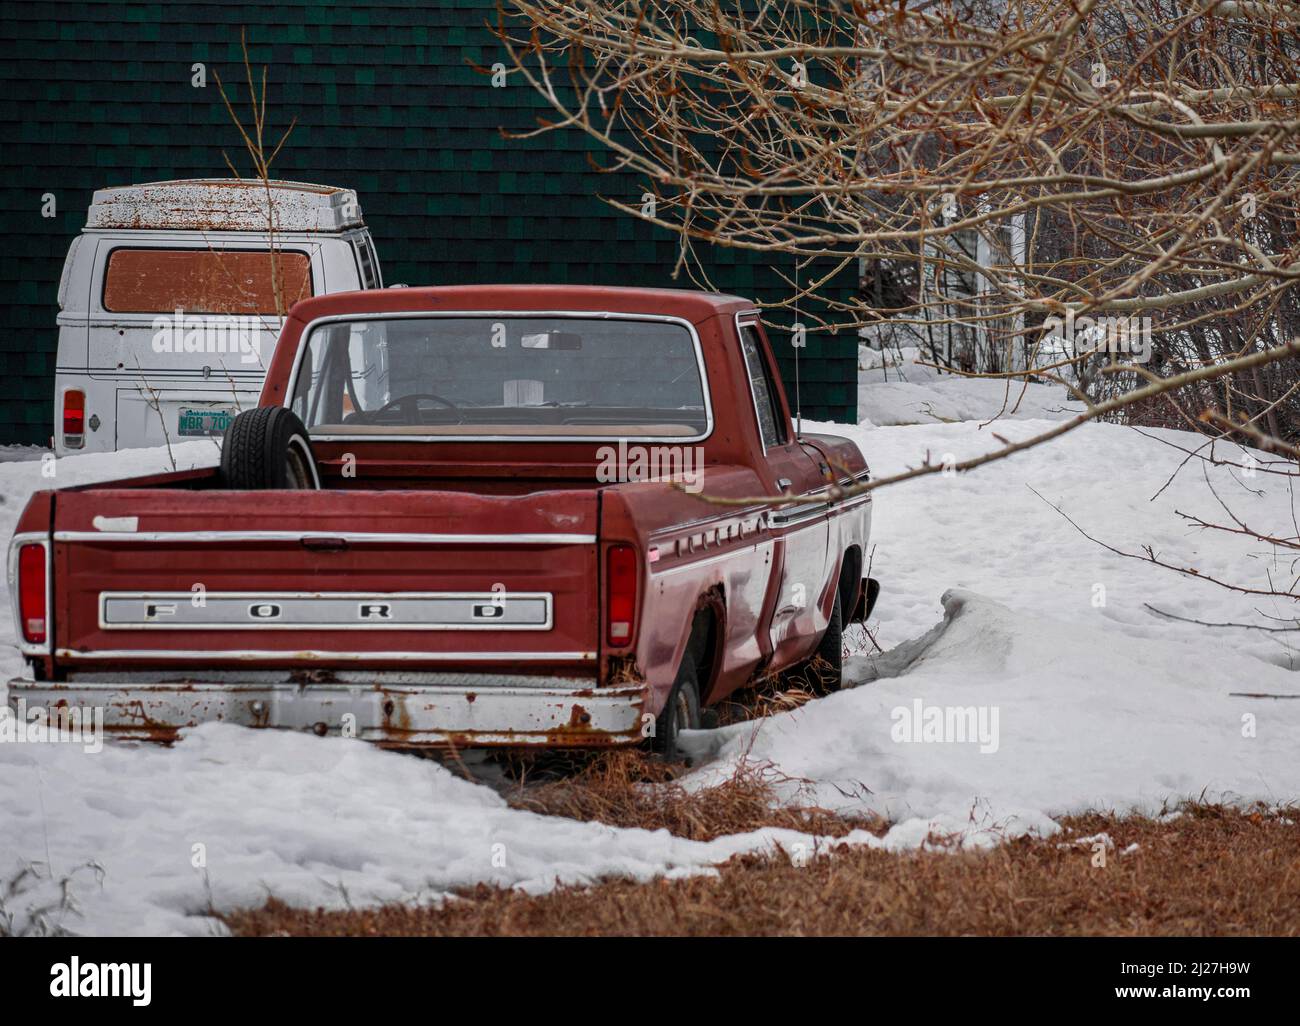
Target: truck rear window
(483, 376)
(202, 280)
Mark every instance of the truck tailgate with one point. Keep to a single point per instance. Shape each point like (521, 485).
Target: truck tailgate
(397, 579)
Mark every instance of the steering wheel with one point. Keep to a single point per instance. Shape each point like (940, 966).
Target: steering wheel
(409, 405)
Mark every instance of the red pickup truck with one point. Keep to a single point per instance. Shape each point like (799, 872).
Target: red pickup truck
(488, 515)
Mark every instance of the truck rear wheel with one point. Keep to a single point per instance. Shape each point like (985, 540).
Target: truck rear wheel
(682, 711)
(825, 672)
(268, 447)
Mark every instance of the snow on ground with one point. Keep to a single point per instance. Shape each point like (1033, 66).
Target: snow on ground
(990, 601)
(14, 453)
(230, 816)
(894, 389)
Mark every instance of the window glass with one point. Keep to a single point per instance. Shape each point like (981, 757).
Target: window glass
(366, 260)
(203, 281)
(481, 375)
(763, 389)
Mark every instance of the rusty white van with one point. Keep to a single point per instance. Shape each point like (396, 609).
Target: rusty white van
(167, 302)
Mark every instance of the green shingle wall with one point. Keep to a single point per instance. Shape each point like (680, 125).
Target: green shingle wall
(98, 93)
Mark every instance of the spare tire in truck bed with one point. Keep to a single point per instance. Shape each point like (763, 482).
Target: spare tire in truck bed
(268, 447)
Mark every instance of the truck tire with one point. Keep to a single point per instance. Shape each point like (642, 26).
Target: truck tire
(268, 447)
(681, 712)
(826, 670)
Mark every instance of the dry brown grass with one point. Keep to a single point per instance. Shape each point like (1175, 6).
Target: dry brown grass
(1213, 871)
(770, 696)
(630, 789)
(786, 691)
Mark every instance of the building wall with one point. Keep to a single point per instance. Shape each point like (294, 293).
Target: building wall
(99, 93)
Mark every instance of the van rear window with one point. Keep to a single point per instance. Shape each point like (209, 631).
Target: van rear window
(202, 280)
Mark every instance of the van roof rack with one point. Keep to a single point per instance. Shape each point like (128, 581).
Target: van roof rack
(225, 205)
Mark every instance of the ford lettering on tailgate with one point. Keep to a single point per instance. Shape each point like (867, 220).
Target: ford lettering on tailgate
(407, 611)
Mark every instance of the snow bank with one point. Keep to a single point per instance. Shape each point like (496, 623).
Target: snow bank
(988, 532)
(229, 816)
(894, 389)
(991, 599)
(1083, 717)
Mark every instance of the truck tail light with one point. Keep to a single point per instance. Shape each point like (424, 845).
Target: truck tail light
(32, 597)
(620, 591)
(74, 418)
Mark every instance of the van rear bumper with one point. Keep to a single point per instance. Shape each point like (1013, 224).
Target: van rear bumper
(483, 714)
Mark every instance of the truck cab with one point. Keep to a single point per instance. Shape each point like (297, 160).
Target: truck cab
(168, 311)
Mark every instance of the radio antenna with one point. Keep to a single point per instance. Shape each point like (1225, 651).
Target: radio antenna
(798, 344)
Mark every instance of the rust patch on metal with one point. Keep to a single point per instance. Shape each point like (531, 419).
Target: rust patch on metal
(396, 715)
(145, 727)
(579, 718)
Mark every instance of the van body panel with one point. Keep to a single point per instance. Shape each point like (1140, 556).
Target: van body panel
(143, 372)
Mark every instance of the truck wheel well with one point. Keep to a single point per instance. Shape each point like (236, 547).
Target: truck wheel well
(850, 580)
(702, 645)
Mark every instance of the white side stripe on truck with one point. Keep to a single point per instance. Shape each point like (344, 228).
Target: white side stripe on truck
(315, 655)
(351, 537)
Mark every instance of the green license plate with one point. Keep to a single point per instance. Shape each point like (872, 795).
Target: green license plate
(203, 423)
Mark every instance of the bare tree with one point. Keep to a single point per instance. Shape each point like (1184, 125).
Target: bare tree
(254, 138)
(1098, 192)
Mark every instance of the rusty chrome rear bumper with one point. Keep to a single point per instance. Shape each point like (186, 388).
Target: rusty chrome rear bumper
(399, 715)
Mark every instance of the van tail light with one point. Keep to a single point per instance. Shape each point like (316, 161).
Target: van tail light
(620, 591)
(32, 594)
(74, 418)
